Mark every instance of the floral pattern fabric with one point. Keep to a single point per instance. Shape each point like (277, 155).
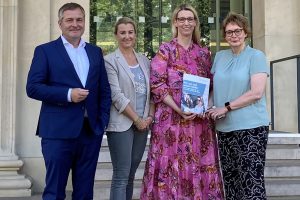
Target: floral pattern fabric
(182, 161)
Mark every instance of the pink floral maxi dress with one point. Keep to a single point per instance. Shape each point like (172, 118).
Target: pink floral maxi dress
(182, 161)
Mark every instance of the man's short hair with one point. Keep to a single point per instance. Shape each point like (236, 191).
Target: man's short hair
(69, 6)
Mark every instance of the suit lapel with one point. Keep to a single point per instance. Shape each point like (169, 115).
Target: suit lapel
(123, 63)
(91, 60)
(63, 52)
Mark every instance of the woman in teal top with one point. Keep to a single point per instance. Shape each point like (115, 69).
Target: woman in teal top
(240, 76)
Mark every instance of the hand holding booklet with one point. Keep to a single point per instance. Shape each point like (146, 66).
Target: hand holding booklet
(195, 91)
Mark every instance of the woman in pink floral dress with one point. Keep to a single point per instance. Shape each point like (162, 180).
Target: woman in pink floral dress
(182, 162)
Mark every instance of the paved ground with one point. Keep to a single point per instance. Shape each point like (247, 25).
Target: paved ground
(33, 197)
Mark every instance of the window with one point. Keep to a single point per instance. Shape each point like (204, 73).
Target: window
(153, 19)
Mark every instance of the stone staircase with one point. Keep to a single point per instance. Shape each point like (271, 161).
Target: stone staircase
(104, 174)
(282, 169)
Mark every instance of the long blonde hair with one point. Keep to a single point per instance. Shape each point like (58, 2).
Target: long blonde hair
(196, 33)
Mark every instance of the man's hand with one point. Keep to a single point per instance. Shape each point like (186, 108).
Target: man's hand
(78, 95)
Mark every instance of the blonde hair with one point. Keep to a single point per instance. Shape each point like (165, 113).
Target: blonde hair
(124, 20)
(196, 33)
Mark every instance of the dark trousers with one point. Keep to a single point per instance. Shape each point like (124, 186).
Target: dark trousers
(79, 155)
(242, 155)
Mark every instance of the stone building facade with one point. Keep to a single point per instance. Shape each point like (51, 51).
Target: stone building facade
(26, 23)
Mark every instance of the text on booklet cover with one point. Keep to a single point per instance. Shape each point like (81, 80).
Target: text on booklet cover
(195, 91)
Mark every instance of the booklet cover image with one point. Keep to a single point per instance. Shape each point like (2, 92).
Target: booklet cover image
(195, 90)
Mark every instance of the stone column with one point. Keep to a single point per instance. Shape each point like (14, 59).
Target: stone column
(12, 184)
(276, 31)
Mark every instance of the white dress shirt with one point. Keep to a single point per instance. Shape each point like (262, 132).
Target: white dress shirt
(79, 59)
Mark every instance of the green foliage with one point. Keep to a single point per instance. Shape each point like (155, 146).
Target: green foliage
(151, 32)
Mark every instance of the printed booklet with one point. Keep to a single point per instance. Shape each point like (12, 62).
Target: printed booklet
(195, 91)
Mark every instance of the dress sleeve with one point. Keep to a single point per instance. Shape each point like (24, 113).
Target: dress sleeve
(159, 74)
(209, 68)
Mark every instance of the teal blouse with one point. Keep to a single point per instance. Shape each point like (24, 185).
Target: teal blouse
(232, 75)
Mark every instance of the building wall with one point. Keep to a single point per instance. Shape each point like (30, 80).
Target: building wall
(276, 31)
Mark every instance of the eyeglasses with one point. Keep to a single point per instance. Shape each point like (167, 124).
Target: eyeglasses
(237, 32)
(183, 19)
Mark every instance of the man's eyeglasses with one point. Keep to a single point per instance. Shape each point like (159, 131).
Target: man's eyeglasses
(237, 32)
(183, 19)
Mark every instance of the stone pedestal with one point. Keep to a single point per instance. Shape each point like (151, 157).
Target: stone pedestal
(12, 184)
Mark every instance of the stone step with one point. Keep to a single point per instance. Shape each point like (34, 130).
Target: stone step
(273, 139)
(289, 168)
(284, 198)
(283, 169)
(102, 190)
(284, 138)
(272, 163)
(283, 154)
(283, 147)
(273, 169)
(280, 146)
(278, 187)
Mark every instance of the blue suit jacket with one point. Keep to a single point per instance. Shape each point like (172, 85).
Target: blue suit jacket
(51, 75)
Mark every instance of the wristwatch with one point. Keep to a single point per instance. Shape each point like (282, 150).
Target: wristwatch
(227, 105)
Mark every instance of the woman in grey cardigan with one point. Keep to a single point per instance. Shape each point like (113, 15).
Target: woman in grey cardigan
(131, 113)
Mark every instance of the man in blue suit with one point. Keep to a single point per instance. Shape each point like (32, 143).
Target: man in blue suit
(69, 77)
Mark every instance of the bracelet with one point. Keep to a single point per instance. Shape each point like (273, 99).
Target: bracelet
(152, 117)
